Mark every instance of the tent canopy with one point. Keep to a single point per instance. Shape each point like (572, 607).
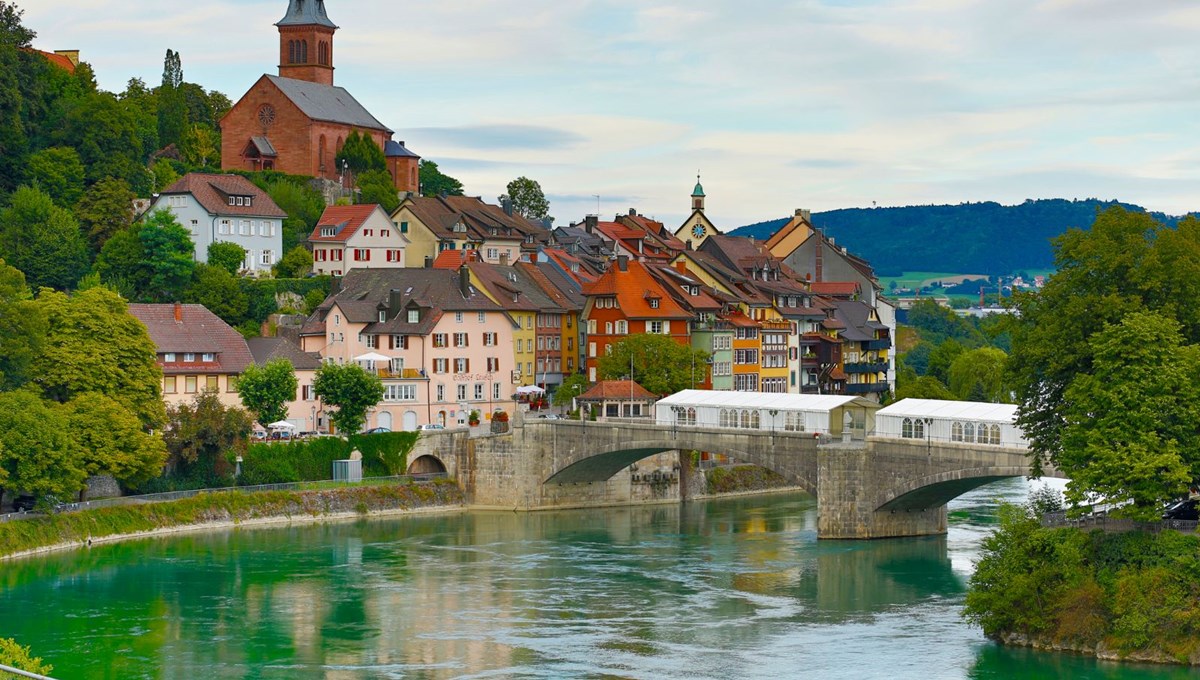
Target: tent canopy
(372, 356)
(282, 425)
(530, 389)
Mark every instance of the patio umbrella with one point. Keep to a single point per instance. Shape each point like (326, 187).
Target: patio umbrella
(372, 356)
(282, 425)
(530, 389)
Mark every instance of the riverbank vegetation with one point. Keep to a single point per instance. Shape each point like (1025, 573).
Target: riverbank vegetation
(43, 531)
(14, 655)
(1129, 595)
(743, 478)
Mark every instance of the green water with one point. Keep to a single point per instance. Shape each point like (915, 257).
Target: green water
(729, 589)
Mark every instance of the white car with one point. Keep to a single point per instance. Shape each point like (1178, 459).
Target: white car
(432, 426)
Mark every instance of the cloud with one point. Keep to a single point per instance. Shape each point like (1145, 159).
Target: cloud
(501, 136)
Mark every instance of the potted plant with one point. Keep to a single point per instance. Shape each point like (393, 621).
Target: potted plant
(473, 418)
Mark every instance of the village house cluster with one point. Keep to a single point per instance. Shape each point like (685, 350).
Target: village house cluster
(457, 303)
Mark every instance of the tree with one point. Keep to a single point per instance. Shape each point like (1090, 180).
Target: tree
(220, 292)
(360, 153)
(58, 172)
(172, 107)
(942, 357)
(162, 175)
(36, 452)
(169, 256)
(572, 386)
(105, 209)
(980, 373)
(1131, 423)
(925, 387)
(528, 199)
(301, 202)
(660, 364)
(111, 440)
(122, 263)
(22, 328)
(200, 144)
(294, 264)
(12, 654)
(434, 183)
(95, 345)
(226, 255)
(42, 240)
(376, 186)
(349, 390)
(105, 133)
(200, 433)
(266, 389)
(12, 32)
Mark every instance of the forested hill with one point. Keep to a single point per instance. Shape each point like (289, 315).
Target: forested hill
(976, 238)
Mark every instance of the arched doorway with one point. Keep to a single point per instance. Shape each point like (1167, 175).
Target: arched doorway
(410, 421)
(384, 419)
(426, 465)
(441, 418)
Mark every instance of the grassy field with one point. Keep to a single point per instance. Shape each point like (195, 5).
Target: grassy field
(916, 280)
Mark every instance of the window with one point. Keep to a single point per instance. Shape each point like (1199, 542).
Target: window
(189, 384)
(462, 392)
(362, 255)
(495, 390)
(404, 227)
(267, 258)
(489, 339)
(244, 228)
(458, 317)
(394, 255)
(306, 392)
(912, 428)
(441, 365)
(541, 343)
(169, 386)
(212, 382)
(745, 356)
(400, 393)
(328, 231)
(493, 254)
(441, 392)
(493, 364)
(956, 432)
(478, 391)
(654, 327)
(622, 327)
(371, 341)
(225, 227)
(968, 432)
(481, 317)
(993, 434)
(591, 349)
(208, 356)
(398, 342)
(385, 233)
(441, 339)
(189, 357)
(169, 358)
(462, 365)
(460, 339)
(653, 303)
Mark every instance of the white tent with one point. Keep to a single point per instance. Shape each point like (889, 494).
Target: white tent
(955, 421)
(282, 425)
(830, 413)
(530, 389)
(373, 356)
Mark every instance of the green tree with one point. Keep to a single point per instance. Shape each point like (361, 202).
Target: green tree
(434, 183)
(925, 387)
(122, 263)
(226, 255)
(942, 357)
(302, 203)
(141, 103)
(1130, 433)
(376, 186)
(95, 345)
(169, 256)
(22, 328)
(660, 364)
(112, 441)
(267, 389)
(294, 264)
(200, 433)
(360, 153)
(59, 172)
(172, 107)
(105, 133)
(349, 390)
(162, 175)
(36, 452)
(11, 653)
(200, 145)
(220, 292)
(42, 240)
(572, 386)
(528, 199)
(980, 372)
(14, 142)
(104, 209)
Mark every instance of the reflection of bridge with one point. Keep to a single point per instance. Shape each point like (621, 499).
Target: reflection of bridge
(879, 488)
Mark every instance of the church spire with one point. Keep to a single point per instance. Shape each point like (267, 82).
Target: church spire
(698, 195)
(306, 42)
(306, 13)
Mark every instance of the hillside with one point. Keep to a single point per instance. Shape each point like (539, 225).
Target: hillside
(971, 237)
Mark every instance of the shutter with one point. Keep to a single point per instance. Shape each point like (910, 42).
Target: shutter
(391, 342)
(666, 327)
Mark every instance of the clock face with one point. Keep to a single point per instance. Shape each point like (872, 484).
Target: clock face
(698, 231)
(266, 115)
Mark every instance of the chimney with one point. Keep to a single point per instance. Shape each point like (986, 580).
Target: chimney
(464, 281)
(504, 259)
(623, 263)
(591, 222)
(395, 296)
(681, 266)
(507, 204)
(818, 256)
(71, 55)
(633, 212)
(429, 262)
(178, 313)
(533, 258)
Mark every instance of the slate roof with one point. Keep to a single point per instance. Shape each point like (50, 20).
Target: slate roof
(264, 146)
(266, 349)
(213, 191)
(859, 324)
(326, 102)
(617, 390)
(306, 13)
(200, 331)
(394, 149)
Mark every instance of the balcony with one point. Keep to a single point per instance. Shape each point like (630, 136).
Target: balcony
(866, 367)
(885, 343)
(867, 388)
(707, 326)
(402, 374)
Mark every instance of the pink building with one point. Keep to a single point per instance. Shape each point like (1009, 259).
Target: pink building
(304, 411)
(442, 347)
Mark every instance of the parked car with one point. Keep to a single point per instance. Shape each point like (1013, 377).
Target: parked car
(378, 430)
(24, 503)
(1184, 509)
(432, 426)
(551, 416)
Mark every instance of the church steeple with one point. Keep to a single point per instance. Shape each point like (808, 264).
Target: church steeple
(306, 42)
(698, 195)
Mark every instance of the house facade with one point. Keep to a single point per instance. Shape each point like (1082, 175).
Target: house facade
(304, 411)
(355, 237)
(226, 209)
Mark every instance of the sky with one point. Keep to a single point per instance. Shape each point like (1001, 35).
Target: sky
(779, 105)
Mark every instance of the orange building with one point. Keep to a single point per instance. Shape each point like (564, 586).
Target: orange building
(297, 122)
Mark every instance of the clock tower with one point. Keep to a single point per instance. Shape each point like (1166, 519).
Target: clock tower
(697, 227)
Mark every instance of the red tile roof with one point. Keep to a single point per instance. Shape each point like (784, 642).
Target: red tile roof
(617, 390)
(450, 259)
(633, 289)
(836, 288)
(198, 331)
(348, 218)
(59, 60)
(213, 192)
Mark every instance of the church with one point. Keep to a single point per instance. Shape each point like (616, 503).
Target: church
(296, 122)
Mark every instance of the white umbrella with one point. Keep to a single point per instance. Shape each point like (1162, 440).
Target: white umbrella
(282, 425)
(530, 389)
(372, 356)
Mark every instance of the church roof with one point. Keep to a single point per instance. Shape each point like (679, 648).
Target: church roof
(394, 149)
(326, 103)
(306, 13)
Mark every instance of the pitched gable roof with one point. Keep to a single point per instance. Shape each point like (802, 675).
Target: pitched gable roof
(212, 192)
(617, 390)
(266, 349)
(634, 287)
(197, 331)
(347, 220)
(327, 103)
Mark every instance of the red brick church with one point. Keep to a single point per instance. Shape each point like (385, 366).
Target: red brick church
(297, 121)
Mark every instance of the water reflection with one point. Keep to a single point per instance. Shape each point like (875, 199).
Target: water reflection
(737, 588)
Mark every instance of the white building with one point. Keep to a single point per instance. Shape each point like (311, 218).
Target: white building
(951, 421)
(820, 414)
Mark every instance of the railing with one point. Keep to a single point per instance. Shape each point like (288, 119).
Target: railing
(23, 674)
(1116, 525)
(402, 374)
(866, 367)
(885, 343)
(867, 388)
(180, 495)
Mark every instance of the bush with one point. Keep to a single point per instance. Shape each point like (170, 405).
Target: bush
(311, 460)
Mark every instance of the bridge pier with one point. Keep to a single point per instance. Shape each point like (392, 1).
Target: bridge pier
(852, 483)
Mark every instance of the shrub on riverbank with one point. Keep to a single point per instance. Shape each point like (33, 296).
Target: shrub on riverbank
(16, 656)
(743, 478)
(1133, 594)
(79, 527)
(310, 460)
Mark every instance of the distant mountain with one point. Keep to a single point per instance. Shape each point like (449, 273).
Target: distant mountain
(976, 238)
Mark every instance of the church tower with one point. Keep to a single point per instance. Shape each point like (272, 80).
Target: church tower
(306, 42)
(698, 196)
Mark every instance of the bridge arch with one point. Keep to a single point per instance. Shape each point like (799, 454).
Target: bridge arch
(425, 465)
(933, 491)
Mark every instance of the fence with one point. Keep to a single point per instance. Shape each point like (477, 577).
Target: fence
(180, 495)
(1117, 525)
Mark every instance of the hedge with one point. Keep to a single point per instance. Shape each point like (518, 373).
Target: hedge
(311, 460)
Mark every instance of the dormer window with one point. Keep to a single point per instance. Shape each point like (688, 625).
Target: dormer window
(653, 303)
(208, 356)
(382, 315)
(328, 231)
(459, 228)
(414, 315)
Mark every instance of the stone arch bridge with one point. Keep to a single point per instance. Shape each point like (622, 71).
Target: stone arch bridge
(880, 488)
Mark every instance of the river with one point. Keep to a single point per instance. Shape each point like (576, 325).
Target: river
(736, 588)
